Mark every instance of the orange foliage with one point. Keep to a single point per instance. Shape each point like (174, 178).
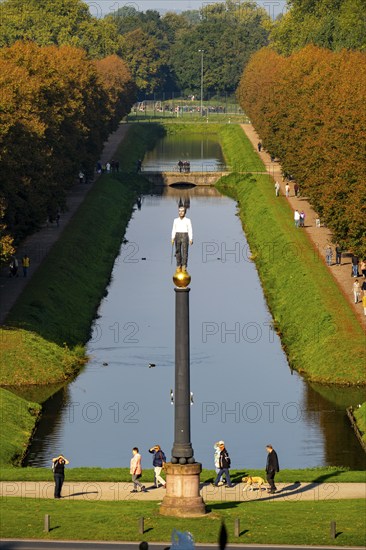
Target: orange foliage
(309, 109)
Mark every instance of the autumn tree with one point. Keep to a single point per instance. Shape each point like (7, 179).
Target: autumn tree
(309, 110)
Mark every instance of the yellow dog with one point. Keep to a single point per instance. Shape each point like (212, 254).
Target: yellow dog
(250, 481)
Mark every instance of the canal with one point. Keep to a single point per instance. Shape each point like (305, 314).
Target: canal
(243, 389)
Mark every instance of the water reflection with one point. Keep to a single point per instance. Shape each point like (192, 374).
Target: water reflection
(243, 389)
(203, 153)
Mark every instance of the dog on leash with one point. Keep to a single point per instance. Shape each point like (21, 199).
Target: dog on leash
(250, 481)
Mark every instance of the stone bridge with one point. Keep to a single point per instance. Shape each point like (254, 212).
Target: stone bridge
(173, 178)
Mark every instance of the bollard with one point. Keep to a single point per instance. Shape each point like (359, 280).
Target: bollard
(141, 525)
(46, 523)
(332, 529)
(237, 527)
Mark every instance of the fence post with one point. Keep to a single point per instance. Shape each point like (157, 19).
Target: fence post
(46, 523)
(332, 529)
(237, 527)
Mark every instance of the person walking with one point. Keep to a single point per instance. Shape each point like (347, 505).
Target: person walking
(136, 471)
(328, 255)
(13, 267)
(259, 146)
(159, 460)
(25, 264)
(338, 252)
(354, 261)
(277, 189)
(272, 467)
(181, 234)
(58, 467)
(297, 218)
(356, 291)
(363, 268)
(296, 189)
(224, 465)
(302, 219)
(217, 460)
(287, 189)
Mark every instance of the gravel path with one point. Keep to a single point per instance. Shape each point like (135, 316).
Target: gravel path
(320, 236)
(39, 244)
(121, 491)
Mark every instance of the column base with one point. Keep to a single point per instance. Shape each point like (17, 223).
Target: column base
(182, 498)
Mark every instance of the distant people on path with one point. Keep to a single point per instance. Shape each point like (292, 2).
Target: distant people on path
(338, 252)
(356, 291)
(180, 165)
(364, 303)
(108, 167)
(277, 188)
(159, 460)
(354, 265)
(136, 471)
(13, 267)
(296, 189)
(81, 177)
(287, 189)
(297, 218)
(224, 465)
(363, 268)
(302, 219)
(186, 166)
(272, 467)
(328, 255)
(25, 264)
(138, 166)
(58, 467)
(259, 146)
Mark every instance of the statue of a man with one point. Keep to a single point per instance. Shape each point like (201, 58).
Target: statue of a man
(182, 234)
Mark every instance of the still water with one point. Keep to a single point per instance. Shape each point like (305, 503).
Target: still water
(203, 153)
(243, 389)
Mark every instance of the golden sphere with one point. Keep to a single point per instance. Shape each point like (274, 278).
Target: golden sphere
(181, 278)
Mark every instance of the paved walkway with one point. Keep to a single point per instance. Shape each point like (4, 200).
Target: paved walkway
(121, 491)
(39, 244)
(320, 236)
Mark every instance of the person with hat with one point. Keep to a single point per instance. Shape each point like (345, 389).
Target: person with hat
(58, 467)
(159, 461)
(217, 460)
(224, 465)
(181, 234)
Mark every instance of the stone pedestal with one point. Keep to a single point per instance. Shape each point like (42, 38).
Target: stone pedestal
(182, 498)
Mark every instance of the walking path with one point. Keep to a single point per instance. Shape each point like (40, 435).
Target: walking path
(89, 490)
(38, 245)
(320, 236)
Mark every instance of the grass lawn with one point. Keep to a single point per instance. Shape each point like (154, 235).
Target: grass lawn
(260, 522)
(18, 418)
(317, 475)
(360, 416)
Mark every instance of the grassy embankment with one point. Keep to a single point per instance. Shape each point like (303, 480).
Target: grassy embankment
(360, 416)
(293, 522)
(44, 336)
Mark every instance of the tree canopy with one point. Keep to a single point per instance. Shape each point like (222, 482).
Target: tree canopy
(309, 109)
(332, 24)
(64, 105)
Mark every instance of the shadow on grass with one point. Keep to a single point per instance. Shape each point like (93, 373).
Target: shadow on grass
(222, 506)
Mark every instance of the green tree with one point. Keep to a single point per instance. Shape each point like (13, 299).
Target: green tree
(59, 22)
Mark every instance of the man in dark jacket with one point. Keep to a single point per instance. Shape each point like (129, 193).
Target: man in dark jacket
(159, 461)
(224, 464)
(272, 467)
